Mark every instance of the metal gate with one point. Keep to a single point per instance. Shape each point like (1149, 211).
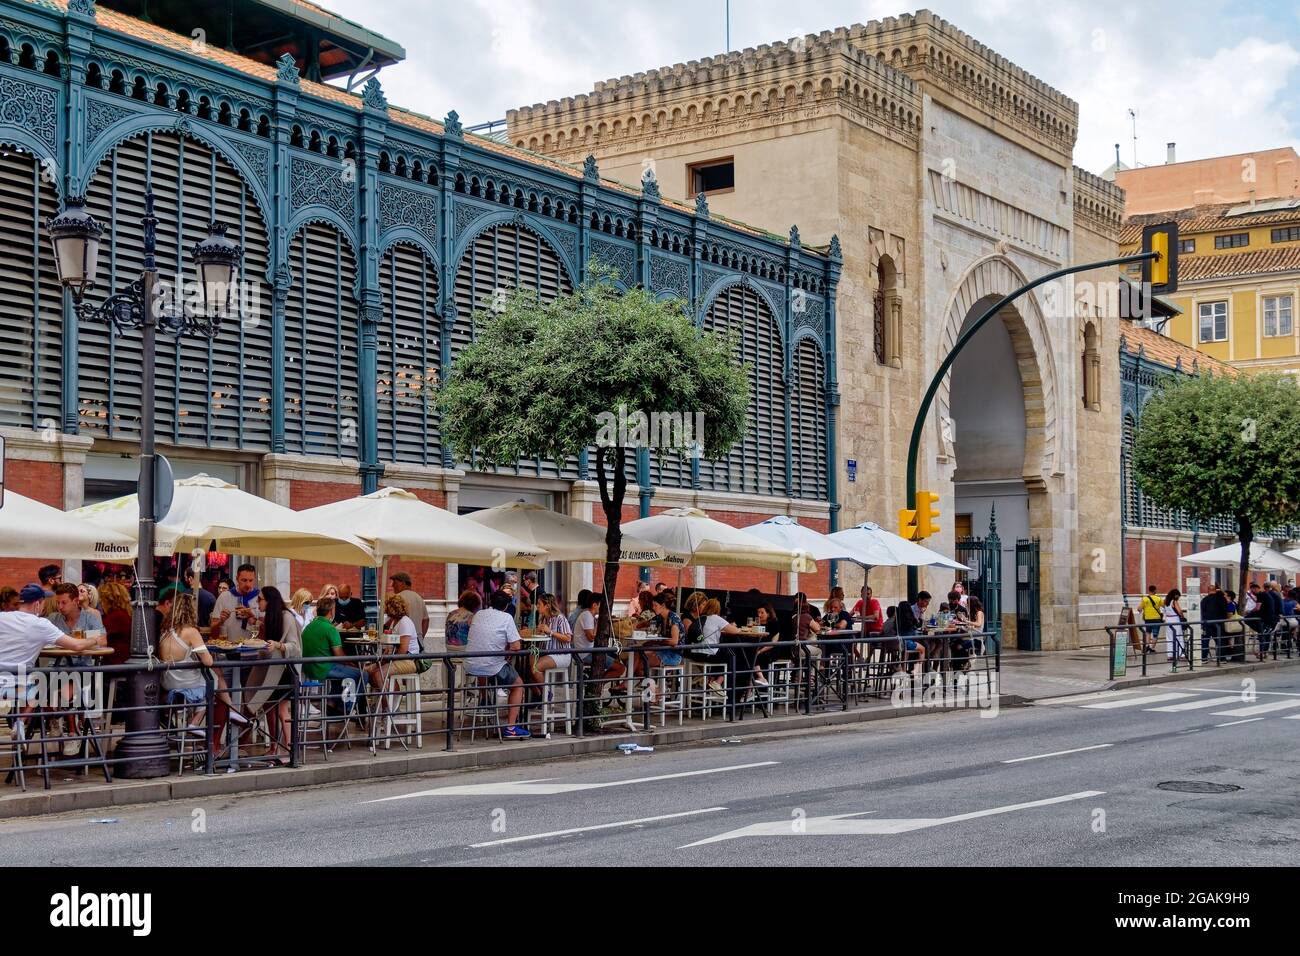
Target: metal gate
(1029, 625)
(984, 579)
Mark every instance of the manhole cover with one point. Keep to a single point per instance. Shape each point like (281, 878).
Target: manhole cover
(1197, 786)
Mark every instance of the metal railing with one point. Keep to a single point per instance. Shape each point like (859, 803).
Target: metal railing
(641, 689)
(1189, 645)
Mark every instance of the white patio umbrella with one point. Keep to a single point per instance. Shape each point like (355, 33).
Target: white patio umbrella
(396, 524)
(562, 537)
(881, 548)
(1229, 557)
(785, 532)
(692, 539)
(206, 509)
(30, 529)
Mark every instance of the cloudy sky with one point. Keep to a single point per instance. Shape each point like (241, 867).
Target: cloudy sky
(1214, 76)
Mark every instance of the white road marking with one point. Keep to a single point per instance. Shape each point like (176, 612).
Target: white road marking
(1079, 698)
(1137, 701)
(1292, 717)
(1229, 690)
(845, 824)
(546, 787)
(1258, 709)
(1197, 704)
(599, 826)
(1059, 753)
(1236, 722)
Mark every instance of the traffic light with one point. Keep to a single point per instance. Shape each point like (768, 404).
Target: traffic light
(927, 516)
(907, 524)
(1161, 274)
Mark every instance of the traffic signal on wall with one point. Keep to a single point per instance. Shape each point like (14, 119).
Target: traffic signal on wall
(1161, 274)
(907, 524)
(927, 516)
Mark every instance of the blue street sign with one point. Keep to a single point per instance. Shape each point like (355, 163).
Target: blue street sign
(853, 469)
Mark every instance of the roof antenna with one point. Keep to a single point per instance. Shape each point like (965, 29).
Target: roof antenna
(1134, 117)
(728, 26)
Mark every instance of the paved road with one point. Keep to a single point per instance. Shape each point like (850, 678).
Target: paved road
(940, 790)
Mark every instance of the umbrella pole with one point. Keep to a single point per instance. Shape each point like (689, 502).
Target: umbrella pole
(679, 589)
(380, 591)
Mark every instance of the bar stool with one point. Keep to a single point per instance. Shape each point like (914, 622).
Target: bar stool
(557, 681)
(402, 709)
(481, 704)
(311, 695)
(673, 675)
(702, 673)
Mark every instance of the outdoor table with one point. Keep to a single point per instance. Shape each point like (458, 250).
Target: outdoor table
(235, 686)
(81, 724)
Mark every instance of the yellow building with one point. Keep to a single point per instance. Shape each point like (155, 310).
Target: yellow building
(1239, 279)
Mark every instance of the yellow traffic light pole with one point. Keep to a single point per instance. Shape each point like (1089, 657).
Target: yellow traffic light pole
(1159, 272)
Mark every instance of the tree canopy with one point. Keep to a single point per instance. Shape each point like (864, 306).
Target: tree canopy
(586, 370)
(1223, 446)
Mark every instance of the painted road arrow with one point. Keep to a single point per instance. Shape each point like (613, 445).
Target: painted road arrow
(846, 824)
(548, 787)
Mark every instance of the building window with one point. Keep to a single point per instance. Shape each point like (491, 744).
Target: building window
(715, 176)
(1186, 245)
(1277, 316)
(1287, 234)
(1214, 321)
(888, 309)
(1091, 369)
(1232, 241)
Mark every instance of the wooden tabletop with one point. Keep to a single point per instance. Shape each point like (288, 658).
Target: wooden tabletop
(69, 652)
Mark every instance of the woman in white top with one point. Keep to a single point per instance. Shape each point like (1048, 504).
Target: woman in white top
(301, 606)
(555, 625)
(713, 627)
(397, 624)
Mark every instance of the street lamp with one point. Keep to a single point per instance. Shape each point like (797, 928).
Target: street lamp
(75, 235)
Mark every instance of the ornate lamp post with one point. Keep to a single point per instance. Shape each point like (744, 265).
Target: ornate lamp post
(75, 236)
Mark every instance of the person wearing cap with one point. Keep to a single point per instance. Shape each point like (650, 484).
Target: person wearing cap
(400, 584)
(25, 631)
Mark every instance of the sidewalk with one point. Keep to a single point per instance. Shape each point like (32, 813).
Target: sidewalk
(1036, 675)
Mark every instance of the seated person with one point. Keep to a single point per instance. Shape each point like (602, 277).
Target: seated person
(349, 612)
(772, 650)
(23, 632)
(835, 617)
(180, 643)
(320, 638)
(556, 626)
(584, 634)
(397, 623)
(493, 634)
(713, 627)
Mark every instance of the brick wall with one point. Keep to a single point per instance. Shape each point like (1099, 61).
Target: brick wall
(41, 481)
(427, 577)
(731, 579)
(1163, 569)
(314, 575)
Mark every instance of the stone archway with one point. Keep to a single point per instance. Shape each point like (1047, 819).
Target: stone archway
(1004, 434)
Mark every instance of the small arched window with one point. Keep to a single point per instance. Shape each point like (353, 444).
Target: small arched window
(1091, 369)
(888, 314)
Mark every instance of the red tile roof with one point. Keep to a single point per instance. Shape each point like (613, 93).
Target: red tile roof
(1206, 219)
(1166, 351)
(1255, 262)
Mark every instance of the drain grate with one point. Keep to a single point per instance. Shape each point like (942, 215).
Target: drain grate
(1197, 786)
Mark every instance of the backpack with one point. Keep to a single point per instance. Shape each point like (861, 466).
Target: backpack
(424, 663)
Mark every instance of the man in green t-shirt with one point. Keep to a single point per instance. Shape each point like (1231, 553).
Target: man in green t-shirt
(320, 638)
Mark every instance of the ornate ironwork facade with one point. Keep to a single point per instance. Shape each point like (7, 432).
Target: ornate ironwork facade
(373, 235)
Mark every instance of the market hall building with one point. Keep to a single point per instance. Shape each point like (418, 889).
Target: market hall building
(371, 235)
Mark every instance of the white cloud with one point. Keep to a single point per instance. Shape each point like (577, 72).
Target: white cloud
(1215, 76)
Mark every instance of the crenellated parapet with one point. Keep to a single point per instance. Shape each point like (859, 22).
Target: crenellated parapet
(1098, 203)
(878, 69)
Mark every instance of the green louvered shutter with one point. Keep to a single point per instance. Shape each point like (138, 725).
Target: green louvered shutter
(210, 392)
(31, 301)
(321, 413)
(408, 356)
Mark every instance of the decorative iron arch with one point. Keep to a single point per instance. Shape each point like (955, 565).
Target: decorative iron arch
(721, 285)
(989, 279)
(522, 221)
(412, 236)
(136, 126)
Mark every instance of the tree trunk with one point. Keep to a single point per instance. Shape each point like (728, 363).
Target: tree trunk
(611, 501)
(1246, 532)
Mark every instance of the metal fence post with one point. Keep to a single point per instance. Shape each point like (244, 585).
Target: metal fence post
(451, 702)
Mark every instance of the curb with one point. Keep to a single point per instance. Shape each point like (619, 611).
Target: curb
(118, 794)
